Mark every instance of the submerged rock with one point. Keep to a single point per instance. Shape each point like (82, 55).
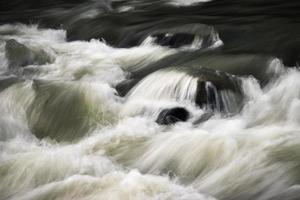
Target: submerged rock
(126, 85)
(7, 81)
(172, 116)
(66, 111)
(173, 40)
(19, 55)
(203, 118)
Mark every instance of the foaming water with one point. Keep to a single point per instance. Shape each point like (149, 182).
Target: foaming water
(66, 134)
(187, 2)
(166, 85)
(162, 89)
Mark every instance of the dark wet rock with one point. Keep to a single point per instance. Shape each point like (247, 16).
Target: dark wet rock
(175, 36)
(172, 116)
(173, 40)
(19, 55)
(217, 60)
(235, 64)
(213, 88)
(6, 82)
(126, 85)
(218, 91)
(203, 118)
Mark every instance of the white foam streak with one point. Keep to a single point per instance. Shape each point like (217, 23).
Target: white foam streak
(162, 89)
(187, 2)
(166, 85)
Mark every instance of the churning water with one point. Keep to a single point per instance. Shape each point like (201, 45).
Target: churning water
(65, 133)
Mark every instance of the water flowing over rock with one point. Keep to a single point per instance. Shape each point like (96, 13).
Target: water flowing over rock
(57, 110)
(6, 82)
(203, 118)
(19, 55)
(206, 88)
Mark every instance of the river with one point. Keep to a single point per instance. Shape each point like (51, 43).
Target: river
(89, 117)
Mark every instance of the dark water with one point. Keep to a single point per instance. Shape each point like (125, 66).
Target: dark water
(141, 99)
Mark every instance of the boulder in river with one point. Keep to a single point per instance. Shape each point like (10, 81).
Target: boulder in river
(7, 81)
(19, 55)
(204, 117)
(172, 116)
(66, 111)
(173, 40)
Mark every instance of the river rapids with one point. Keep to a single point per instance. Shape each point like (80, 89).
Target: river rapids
(168, 106)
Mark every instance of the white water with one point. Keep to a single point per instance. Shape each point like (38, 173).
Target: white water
(162, 89)
(187, 2)
(119, 152)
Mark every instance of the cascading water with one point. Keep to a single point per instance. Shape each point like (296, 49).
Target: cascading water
(67, 133)
(161, 90)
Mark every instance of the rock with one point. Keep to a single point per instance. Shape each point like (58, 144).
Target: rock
(172, 116)
(19, 55)
(217, 91)
(7, 81)
(173, 40)
(124, 87)
(58, 108)
(203, 118)
(199, 36)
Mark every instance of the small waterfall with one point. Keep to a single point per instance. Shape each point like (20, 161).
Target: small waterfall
(225, 101)
(162, 89)
(171, 88)
(212, 97)
(170, 85)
